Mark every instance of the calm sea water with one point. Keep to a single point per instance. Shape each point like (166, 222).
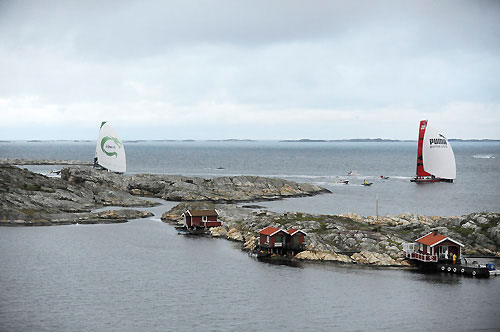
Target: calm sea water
(476, 188)
(142, 276)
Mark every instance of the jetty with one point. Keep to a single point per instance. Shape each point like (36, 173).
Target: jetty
(439, 253)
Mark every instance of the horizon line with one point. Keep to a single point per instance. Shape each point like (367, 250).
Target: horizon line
(302, 140)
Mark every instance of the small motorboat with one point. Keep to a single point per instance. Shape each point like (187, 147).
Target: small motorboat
(56, 173)
(493, 270)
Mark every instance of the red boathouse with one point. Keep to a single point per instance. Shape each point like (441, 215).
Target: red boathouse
(296, 237)
(272, 237)
(433, 247)
(201, 219)
(274, 240)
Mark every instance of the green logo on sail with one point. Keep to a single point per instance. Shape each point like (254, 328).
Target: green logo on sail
(103, 143)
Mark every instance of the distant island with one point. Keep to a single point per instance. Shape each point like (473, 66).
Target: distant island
(473, 140)
(303, 140)
(356, 140)
(230, 140)
(378, 140)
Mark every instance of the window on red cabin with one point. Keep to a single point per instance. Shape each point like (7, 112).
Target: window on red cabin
(278, 238)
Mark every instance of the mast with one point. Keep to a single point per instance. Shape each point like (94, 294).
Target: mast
(420, 149)
(378, 234)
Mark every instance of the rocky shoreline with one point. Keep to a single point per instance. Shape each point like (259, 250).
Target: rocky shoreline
(352, 239)
(223, 189)
(104, 217)
(29, 198)
(21, 161)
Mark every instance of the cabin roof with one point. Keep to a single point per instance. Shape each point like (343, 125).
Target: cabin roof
(202, 213)
(293, 231)
(270, 231)
(432, 239)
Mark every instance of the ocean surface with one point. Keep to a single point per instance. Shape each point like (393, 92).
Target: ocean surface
(476, 189)
(142, 276)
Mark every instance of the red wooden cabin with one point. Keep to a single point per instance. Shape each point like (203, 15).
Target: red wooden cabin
(201, 218)
(274, 240)
(296, 237)
(272, 237)
(433, 247)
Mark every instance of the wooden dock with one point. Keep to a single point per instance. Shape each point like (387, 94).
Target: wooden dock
(181, 230)
(474, 270)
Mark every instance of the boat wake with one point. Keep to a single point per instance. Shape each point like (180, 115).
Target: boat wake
(402, 177)
(483, 156)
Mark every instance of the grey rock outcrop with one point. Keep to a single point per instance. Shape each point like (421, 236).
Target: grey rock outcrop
(34, 198)
(21, 161)
(104, 217)
(224, 189)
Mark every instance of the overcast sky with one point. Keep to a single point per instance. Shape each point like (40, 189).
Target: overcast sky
(249, 69)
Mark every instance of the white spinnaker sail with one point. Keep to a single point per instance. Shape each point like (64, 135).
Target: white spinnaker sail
(438, 157)
(110, 151)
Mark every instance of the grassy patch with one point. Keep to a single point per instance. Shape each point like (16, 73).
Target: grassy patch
(32, 187)
(322, 228)
(301, 217)
(29, 212)
(462, 231)
(485, 227)
(282, 221)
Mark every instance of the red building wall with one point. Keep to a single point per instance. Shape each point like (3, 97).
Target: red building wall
(262, 239)
(198, 221)
(300, 236)
(272, 239)
(188, 221)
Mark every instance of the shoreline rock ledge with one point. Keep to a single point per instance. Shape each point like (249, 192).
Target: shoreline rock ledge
(28, 198)
(351, 238)
(32, 199)
(224, 189)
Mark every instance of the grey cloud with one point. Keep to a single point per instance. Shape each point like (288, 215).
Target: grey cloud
(122, 29)
(278, 55)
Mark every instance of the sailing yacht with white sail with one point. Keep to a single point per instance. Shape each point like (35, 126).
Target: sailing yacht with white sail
(435, 158)
(110, 152)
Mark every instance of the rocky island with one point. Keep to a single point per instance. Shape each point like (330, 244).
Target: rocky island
(351, 238)
(223, 189)
(29, 198)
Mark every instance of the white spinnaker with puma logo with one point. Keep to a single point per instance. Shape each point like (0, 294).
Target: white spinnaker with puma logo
(438, 158)
(110, 151)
